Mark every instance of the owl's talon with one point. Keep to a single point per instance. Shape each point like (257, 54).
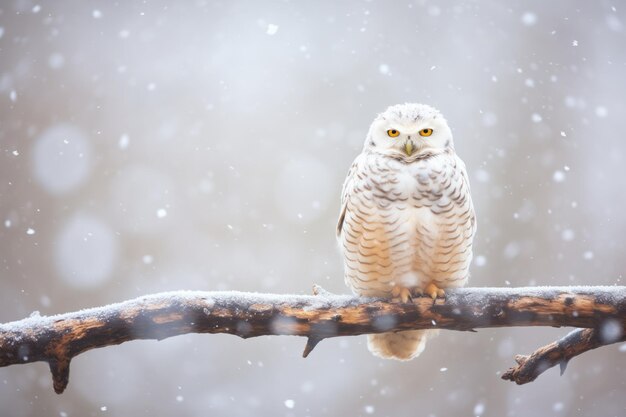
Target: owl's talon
(433, 291)
(401, 294)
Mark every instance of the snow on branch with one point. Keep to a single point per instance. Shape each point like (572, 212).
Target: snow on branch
(578, 341)
(58, 339)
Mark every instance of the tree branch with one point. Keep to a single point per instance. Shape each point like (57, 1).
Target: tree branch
(58, 339)
(578, 341)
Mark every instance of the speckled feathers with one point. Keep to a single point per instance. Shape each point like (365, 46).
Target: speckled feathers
(407, 219)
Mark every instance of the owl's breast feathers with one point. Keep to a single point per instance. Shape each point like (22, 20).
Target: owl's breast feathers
(406, 223)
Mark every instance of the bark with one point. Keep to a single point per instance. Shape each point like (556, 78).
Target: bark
(529, 367)
(58, 339)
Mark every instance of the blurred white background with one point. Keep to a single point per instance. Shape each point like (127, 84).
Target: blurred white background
(152, 146)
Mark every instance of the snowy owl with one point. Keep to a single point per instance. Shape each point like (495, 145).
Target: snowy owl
(407, 221)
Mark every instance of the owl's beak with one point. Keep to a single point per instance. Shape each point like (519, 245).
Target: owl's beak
(408, 147)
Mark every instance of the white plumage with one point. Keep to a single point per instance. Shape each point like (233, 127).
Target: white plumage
(407, 220)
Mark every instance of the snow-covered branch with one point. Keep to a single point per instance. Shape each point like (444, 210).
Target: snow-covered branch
(529, 367)
(58, 339)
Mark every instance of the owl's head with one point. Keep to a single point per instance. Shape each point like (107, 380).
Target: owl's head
(409, 131)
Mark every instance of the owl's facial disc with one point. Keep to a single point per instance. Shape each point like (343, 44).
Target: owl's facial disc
(408, 131)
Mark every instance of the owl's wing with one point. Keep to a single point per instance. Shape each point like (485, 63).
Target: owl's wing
(345, 195)
(465, 177)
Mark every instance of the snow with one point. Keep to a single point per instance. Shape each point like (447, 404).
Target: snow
(479, 409)
(558, 176)
(307, 387)
(62, 159)
(489, 119)
(482, 175)
(480, 261)
(290, 403)
(434, 11)
(123, 142)
(138, 191)
(45, 301)
(611, 331)
(605, 294)
(86, 251)
(614, 23)
(56, 61)
(511, 250)
(601, 111)
(303, 190)
(568, 235)
(247, 300)
(271, 29)
(506, 348)
(166, 108)
(529, 19)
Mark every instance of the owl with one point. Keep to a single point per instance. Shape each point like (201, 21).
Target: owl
(407, 220)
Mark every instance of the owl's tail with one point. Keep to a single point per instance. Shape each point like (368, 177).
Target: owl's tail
(402, 346)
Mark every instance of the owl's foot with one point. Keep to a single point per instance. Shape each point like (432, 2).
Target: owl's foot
(400, 293)
(433, 291)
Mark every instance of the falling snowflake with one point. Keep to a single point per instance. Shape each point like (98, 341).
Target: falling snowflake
(479, 409)
(529, 19)
(558, 176)
(271, 29)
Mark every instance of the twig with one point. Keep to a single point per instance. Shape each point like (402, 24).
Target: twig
(58, 339)
(578, 341)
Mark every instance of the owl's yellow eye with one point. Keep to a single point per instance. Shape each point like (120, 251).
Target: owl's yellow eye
(426, 132)
(393, 133)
